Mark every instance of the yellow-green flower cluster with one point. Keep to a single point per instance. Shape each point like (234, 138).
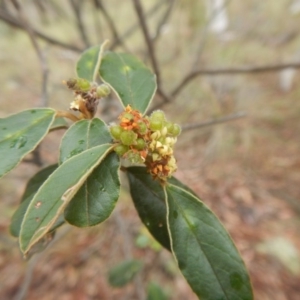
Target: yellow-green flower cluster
(162, 163)
(148, 140)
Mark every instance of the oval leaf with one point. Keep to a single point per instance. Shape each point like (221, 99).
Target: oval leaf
(123, 273)
(83, 135)
(87, 62)
(149, 200)
(59, 123)
(56, 192)
(32, 186)
(204, 250)
(131, 80)
(96, 199)
(21, 133)
(155, 292)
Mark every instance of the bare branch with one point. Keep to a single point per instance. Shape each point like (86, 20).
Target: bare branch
(152, 11)
(232, 71)
(148, 40)
(150, 46)
(110, 23)
(163, 20)
(215, 121)
(123, 229)
(77, 8)
(39, 52)
(204, 34)
(22, 293)
(6, 17)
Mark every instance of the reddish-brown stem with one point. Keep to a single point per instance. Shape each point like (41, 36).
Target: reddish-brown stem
(67, 114)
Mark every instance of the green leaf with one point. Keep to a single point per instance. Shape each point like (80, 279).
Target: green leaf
(96, 199)
(83, 135)
(130, 79)
(149, 200)
(155, 292)
(86, 64)
(124, 272)
(43, 243)
(175, 181)
(59, 123)
(21, 133)
(204, 250)
(55, 194)
(32, 186)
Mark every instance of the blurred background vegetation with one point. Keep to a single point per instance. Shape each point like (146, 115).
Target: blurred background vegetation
(228, 72)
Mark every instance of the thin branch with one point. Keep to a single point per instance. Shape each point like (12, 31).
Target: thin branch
(152, 11)
(22, 293)
(110, 23)
(77, 8)
(232, 71)
(215, 121)
(6, 17)
(148, 40)
(23, 289)
(123, 228)
(163, 20)
(150, 46)
(97, 23)
(97, 3)
(39, 52)
(203, 36)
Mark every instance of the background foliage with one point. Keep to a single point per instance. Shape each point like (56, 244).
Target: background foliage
(247, 171)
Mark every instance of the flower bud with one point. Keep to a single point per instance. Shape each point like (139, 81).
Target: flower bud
(134, 157)
(116, 131)
(169, 126)
(158, 115)
(121, 149)
(140, 144)
(103, 90)
(128, 137)
(83, 85)
(127, 116)
(176, 130)
(142, 128)
(156, 124)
